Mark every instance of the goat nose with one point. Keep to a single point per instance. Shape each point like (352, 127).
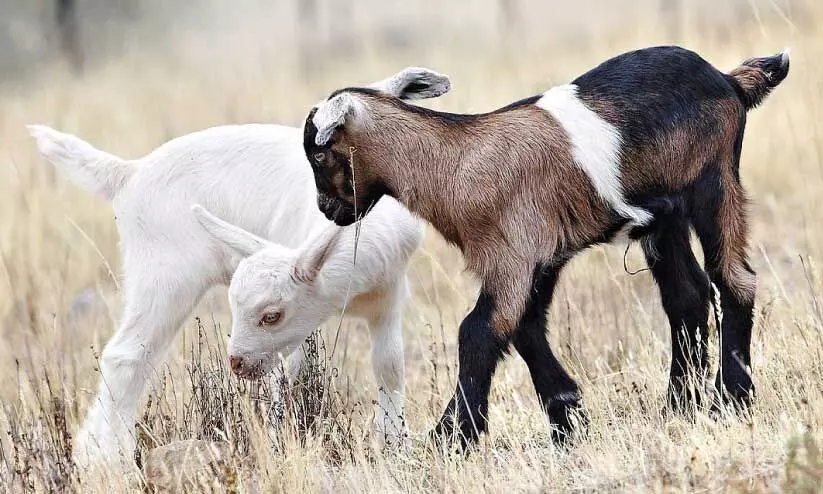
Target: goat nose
(236, 363)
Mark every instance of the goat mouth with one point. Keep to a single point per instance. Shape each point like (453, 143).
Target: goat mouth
(343, 219)
(336, 210)
(251, 373)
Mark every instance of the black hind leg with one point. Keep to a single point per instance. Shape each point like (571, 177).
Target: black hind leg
(684, 291)
(734, 379)
(721, 225)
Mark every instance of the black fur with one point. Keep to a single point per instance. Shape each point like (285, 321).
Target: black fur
(558, 393)
(335, 208)
(412, 88)
(329, 200)
(660, 206)
(733, 378)
(479, 351)
(655, 90)
(649, 92)
(455, 118)
(685, 295)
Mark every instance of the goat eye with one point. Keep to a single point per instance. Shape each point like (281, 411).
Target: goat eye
(270, 318)
(319, 157)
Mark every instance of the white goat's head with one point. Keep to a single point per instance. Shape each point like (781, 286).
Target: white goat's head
(276, 293)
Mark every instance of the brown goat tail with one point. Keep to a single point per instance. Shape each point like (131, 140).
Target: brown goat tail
(756, 77)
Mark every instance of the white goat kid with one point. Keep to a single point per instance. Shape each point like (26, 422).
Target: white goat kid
(278, 296)
(254, 176)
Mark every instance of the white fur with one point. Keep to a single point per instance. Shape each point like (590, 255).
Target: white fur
(255, 177)
(333, 112)
(265, 282)
(595, 147)
(86, 166)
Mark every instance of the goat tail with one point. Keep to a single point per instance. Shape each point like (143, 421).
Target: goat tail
(756, 77)
(86, 166)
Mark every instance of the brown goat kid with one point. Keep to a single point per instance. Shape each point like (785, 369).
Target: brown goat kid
(647, 142)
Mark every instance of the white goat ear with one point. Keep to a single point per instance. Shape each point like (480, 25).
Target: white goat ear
(415, 83)
(331, 114)
(242, 242)
(315, 253)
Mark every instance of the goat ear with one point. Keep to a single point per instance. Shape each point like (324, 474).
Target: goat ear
(415, 83)
(315, 253)
(242, 242)
(331, 114)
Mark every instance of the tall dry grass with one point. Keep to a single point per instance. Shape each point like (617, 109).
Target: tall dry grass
(59, 297)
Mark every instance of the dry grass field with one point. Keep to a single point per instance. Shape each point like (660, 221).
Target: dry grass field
(59, 299)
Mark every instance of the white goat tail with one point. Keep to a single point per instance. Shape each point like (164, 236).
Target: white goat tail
(82, 163)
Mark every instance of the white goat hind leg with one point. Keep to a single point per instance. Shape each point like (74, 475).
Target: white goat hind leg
(157, 302)
(384, 317)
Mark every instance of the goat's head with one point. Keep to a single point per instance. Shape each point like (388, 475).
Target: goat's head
(345, 195)
(276, 293)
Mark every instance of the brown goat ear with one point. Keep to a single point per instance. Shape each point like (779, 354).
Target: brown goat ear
(315, 253)
(414, 83)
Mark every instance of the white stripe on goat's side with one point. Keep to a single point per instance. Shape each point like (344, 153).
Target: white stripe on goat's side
(595, 147)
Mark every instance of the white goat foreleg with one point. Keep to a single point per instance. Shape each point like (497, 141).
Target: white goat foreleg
(154, 310)
(385, 324)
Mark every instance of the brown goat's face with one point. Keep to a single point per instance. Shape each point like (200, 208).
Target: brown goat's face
(336, 185)
(346, 191)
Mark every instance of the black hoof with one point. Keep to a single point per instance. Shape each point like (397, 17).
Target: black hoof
(570, 423)
(449, 437)
(735, 395)
(727, 404)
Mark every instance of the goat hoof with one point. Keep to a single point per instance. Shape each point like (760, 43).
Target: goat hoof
(731, 404)
(735, 385)
(734, 394)
(570, 424)
(447, 438)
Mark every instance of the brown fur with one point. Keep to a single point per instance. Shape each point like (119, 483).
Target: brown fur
(503, 187)
(750, 78)
(733, 207)
(734, 240)
(757, 77)
(676, 158)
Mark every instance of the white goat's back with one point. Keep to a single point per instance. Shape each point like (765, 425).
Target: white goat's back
(254, 176)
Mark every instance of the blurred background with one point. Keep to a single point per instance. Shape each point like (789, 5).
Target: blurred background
(240, 37)
(127, 75)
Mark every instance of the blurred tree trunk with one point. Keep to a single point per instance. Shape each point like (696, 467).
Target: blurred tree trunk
(671, 12)
(507, 19)
(308, 25)
(67, 27)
